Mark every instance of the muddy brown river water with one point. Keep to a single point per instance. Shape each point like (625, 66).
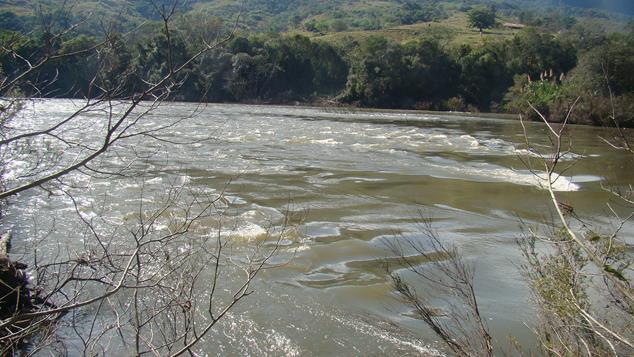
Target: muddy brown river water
(360, 178)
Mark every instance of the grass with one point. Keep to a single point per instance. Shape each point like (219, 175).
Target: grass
(452, 31)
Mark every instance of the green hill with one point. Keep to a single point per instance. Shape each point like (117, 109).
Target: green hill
(486, 55)
(319, 17)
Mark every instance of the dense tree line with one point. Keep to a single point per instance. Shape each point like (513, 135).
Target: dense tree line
(389, 75)
(547, 70)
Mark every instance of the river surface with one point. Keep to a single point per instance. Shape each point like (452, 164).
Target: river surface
(359, 178)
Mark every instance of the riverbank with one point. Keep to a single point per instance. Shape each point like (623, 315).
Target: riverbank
(331, 104)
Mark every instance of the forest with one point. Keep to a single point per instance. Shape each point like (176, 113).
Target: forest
(323, 57)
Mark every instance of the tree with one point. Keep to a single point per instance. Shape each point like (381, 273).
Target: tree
(384, 74)
(413, 12)
(481, 18)
(600, 78)
(339, 25)
(585, 280)
(135, 273)
(539, 94)
(484, 76)
(283, 68)
(533, 52)
(604, 85)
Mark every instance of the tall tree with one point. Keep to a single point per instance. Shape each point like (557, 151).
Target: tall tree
(481, 18)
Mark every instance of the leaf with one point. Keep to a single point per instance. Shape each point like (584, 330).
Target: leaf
(617, 273)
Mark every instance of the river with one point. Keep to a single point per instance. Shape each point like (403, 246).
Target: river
(358, 178)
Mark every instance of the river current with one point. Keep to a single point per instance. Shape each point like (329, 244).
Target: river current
(358, 178)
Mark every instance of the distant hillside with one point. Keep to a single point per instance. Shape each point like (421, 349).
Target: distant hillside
(316, 16)
(617, 6)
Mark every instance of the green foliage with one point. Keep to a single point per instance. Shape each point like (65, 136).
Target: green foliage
(373, 71)
(78, 44)
(551, 21)
(10, 21)
(558, 286)
(413, 12)
(481, 17)
(199, 27)
(116, 64)
(76, 74)
(455, 104)
(604, 83)
(284, 15)
(250, 75)
(618, 273)
(13, 41)
(155, 57)
(532, 52)
(617, 60)
(585, 37)
(484, 76)
(553, 286)
(571, 285)
(282, 68)
(390, 75)
(624, 6)
(539, 93)
(18, 44)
